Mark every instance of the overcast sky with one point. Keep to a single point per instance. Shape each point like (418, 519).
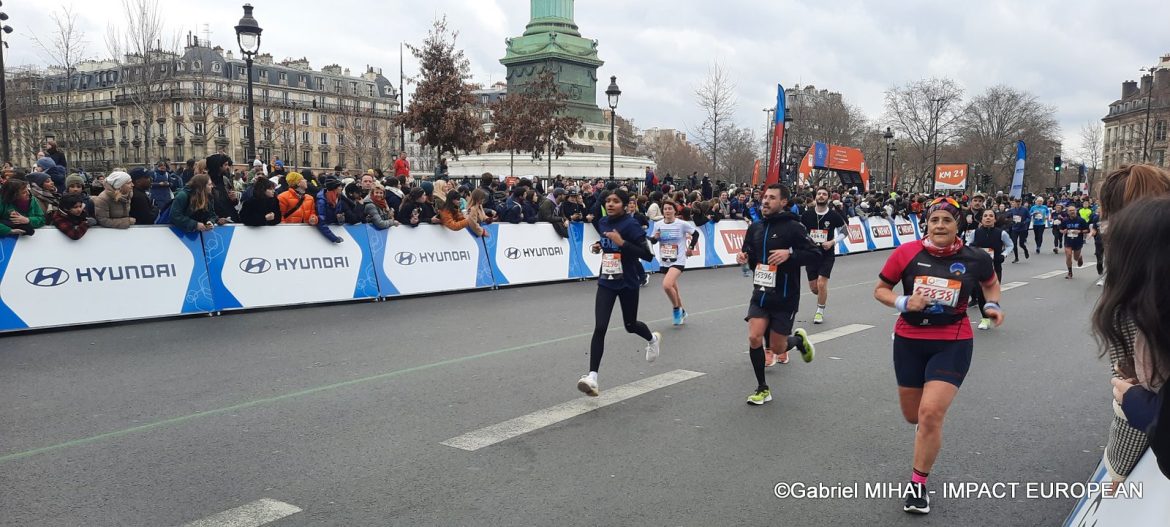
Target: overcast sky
(1072, 54)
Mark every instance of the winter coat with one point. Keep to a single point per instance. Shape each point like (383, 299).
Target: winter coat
(779, 232)
(426, 211)
(142, 208)
(73, 226)
(327, 215)
(379, 218)
(186, 219)
(111, 212)
(254, 210)
(36, 217)
(162, 187)
(304, 213)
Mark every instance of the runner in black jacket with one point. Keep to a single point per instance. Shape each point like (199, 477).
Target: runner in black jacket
(776, 248)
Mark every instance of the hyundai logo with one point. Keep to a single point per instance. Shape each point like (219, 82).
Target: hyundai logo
(512, 253)
(47, 276)
(255, 265)
(404, 258)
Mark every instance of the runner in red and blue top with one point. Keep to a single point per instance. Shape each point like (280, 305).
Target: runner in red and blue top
(933, 341)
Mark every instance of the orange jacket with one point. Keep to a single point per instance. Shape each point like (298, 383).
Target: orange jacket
(307, 213)
(458, 222)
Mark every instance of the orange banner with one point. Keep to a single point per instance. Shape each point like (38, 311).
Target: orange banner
(950, 177)
(756, 174)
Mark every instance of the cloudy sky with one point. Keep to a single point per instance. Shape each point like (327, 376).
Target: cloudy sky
(1072, 54)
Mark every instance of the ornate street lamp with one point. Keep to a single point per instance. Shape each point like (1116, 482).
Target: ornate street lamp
(248, 36)
(3, 95)
(613, 93)
(889, 136)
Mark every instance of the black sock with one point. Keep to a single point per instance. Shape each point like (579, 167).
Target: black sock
(795, 342)
(757, 356)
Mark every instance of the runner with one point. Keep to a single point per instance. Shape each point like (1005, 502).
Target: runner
(825, 228)
(1074, 228)
(1057, 219)
(623, 243)
(775, 247)
(1040, 215)
(671, 234)
(1018, 216)
(933, 340)
(997, 244)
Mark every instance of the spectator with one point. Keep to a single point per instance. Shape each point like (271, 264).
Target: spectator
(192, 209)
(162, 185)
(351, 205)
(485, 182)
(477, 211)
(142, 207)
(632, 210)
(415, 210)
(262, 208)
(20, 215)
(71, 217)
(329, 211)
(367, 183)
(296, 204)
(44, 191)
(528, 205)
(377, 209)
(52, 152)
(98, 185)
(571, 208)
(112, 206)
(452, 218)
(513, 211)
(402, 168)
(394, 195)
(188, 172)
(546, 212)
(75, 184)
(708, 192)
(436, 192)
(654, 209)
(224, 196)
(441, 169)
(43, 164)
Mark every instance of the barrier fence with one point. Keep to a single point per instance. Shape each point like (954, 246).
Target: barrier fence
(156, 271)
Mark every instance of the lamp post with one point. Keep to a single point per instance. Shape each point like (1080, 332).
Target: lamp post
(934, 125)
(248, 36)
(1149, 98)
(768, 141)
(613, 93)
(3, 89)
(889, 137)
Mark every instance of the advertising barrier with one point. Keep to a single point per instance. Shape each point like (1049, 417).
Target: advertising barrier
(880, 232)
(428, 259)
(1127, 509)
(906, 230)
(109, 275)
(527, 253)
(727, 240)
(856, 240)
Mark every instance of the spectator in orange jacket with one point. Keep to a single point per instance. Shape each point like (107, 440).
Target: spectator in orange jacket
(453, 218)
(296, 205)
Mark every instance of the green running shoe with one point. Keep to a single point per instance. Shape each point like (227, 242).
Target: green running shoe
(760, 397)
(807, 350)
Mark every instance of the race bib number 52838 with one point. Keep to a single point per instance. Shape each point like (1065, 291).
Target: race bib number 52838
(941, 291)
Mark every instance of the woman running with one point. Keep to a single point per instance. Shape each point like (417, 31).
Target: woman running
(1040, 215)
(933, 341)
(623, 243)
(676, 240)
(1057, 219)
(997, 243)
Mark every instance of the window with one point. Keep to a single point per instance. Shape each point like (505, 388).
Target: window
(1160, 158)
(200, 109)
(341, 158)
(323, 121)
(324, 159)
(219, 90)
(374, 143)
(305, 118)
(178, 130)
(220, 110)
(215, 66)
(245, 132)
(324, 138)
(373, 126)
(266, 115)
(268, 134)
(197, 65)
(341, 139)
(353, 88)
(320, 83)
(283, 77)
(179, 151)
(305, 137)
(198, 87)
(357, 123)
(201, 130)
(1160, 131)
(285, 116)
(264, 74)
(285, 137)
(370, 90)
(220, 131)
(305, 154)
(177, 109)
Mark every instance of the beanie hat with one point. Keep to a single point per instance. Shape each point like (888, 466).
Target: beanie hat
(293, 179)
(37, 178)
(45, 163)
(74, 179)
(117, 179)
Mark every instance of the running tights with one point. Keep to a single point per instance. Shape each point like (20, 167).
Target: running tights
(977, 294)
(1039, 232)
(603, 310)
(1019, 238)
(1057, 239)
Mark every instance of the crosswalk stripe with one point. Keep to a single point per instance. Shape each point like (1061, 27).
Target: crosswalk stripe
(255, 514)
(1012, 285)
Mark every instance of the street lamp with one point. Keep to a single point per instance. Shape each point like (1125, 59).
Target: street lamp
(613, 93)
(768, 141)
(248, 36)
(1149, 97)
(3, 94)
(889, 137)
(934, 125)
(784, 143)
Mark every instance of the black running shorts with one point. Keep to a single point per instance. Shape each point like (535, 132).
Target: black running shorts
(917, 361)
(778, 321)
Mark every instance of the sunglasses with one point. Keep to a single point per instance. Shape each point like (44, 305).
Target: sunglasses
(937, 201)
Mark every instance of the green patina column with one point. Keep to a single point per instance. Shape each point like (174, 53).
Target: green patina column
(552, 42)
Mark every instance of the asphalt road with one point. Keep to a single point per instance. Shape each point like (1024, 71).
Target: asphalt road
(341, 411)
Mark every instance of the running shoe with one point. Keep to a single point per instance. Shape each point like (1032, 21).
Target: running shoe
(782, 358)
(1053, 250)
(985, 323)
(588, 386)
(1026, 255)
(677, 316)
(769, 358)
(1068, 276)
(761, 396)
(1100, 281)
(1080, 262)
(918, 501)
(645, 280)
(819, 318)
(652, 347)
(683, 319)
(807, 350)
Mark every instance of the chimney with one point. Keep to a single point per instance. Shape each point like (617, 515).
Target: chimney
(1147, 83)
(1128, 89)
(1162, 80)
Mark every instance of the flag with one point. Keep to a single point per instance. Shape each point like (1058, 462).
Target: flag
(777, 138)
(756, 174)
(1018, 178)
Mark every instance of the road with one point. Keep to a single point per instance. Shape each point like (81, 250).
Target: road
(338, 414)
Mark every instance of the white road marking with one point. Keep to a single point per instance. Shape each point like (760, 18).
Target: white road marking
(817, 338)
(490, 435)
(1048, 275)
(253, 514)
(1012, 285)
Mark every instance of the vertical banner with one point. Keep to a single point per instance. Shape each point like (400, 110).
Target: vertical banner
(777, 138)
(1018, 177)
(756, 174)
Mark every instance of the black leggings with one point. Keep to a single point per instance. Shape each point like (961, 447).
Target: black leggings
(1099, 249)
(977, 293)
(1057, 238)
(1039, 232)
(1019, 238)
(603, 310)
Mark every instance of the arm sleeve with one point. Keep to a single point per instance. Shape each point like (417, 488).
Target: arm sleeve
(375, 217)
(36, 215)
(1141, 407)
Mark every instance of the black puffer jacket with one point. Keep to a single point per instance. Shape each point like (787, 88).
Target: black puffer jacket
(780, 232)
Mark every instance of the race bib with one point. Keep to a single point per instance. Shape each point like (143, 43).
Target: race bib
(1038, 216)
(819, 235)
(765, 276)
(668, 251)
(941, 291)
(1056, 222)
(990, 252)
(611, 265)
(1073, 234)
(1017, 219)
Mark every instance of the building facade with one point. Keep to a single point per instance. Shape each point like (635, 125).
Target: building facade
(187, 105)
(1125, 126)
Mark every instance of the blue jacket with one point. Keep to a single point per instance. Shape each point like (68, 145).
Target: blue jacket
(163, 194)
(327, 215)
(1024, 222)
(511, 212)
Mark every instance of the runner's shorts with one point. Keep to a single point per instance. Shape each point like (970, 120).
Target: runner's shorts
(917, 361)
(823, 268)
(778, 321)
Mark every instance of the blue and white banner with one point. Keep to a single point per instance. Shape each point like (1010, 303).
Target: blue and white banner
(1018, 176)
(428, 259)
(109, 275)
(287, 265)
(906, 230)
(1127, 509)
(856, 237)
(880, 234)
(527, 253)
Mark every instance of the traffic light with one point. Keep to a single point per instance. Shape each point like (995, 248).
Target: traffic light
(1056, 163)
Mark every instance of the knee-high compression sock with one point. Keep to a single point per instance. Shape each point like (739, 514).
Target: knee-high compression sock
(757, 356)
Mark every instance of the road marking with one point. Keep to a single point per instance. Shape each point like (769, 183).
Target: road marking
(253, 514)
(1046, 276)
(835, 333)
(1012, 285)
(488, 436)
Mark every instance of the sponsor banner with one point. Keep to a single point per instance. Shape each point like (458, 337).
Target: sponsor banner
(905, 230)
(705, 248)
(578, 267)
(772, 173)
(1018, 175)
(728, 240)
(880, 232)
(856, 240)
(527, 253)
(287, 265)
(1127, 509)
(428, 259)
(109, 275)
(950, 177)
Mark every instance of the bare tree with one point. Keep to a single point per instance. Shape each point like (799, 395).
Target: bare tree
(992, 123)
(1090, 149)
(674, 155)
(739, 154)
(821, 115)
(925, 114)
(64, 48)
(24, 86)
(145, 52)
(716, 97)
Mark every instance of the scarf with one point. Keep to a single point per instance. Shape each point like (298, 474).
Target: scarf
(942, 252)
(379, 202)
(331, 197)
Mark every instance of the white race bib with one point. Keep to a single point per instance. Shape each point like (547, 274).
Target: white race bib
(1073, 234)
(1038, 216)
(1056, 222)
(990, 252)
(941, 291)
(1017, 219)
(819, 235)
(668, 251)
(765, 276)
(611, 264)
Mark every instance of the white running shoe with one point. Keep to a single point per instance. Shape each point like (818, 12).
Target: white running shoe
(652, 347)
(588, 386)
(985, 323)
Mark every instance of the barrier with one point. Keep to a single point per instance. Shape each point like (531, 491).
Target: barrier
(906, 230)
(527, 253)
(428, 259)
(49, 280)
(284, 265)
(879, 233)
(856, 240)
(1147, 511)
(727, 239)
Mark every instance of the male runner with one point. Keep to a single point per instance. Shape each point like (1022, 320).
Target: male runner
(826, 228)
(1020, 221)
(776, 247)
(1074, 228)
